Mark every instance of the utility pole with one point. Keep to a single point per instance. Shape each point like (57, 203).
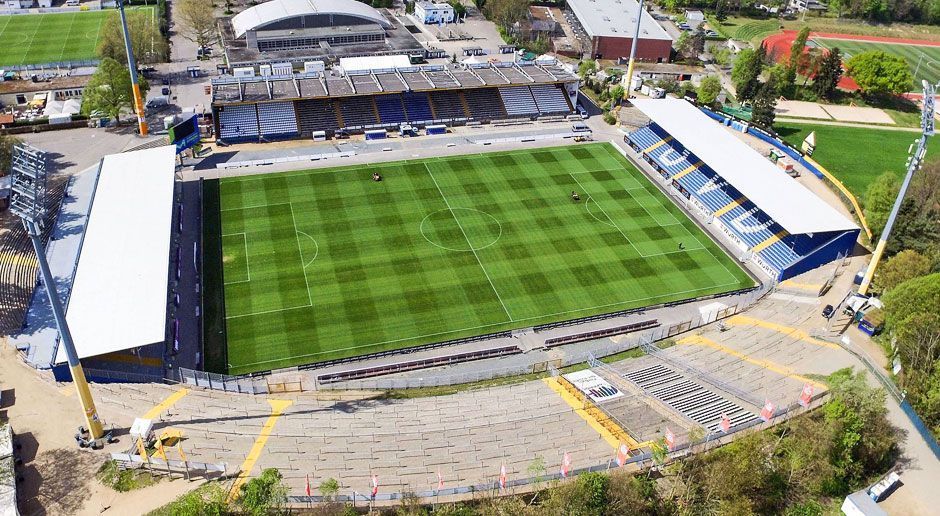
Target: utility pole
(636, 36)
(913, 164)
(132, 66)
(29, 203)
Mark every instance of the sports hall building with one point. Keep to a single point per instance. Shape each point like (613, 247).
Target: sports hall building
(301, 30)
(767, 217)
(292, 106)
(609, 24)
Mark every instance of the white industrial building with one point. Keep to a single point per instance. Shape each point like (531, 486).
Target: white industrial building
(430, 13)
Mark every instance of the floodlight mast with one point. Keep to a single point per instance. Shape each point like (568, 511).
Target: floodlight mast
(132, 66)
(636, 36)
(28, 203)
(913, 164)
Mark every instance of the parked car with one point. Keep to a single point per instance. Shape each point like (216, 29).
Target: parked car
(158, 102)
(828, 311)
(165, 91)
(711, 34)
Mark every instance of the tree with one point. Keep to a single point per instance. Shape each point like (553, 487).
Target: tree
(617, 93)
(264, 494)
(915, 296)
(329, 488)
(587, 67)
(148, 44)
(809, 63)
(745, 73)
(782, 77)
(109, 90)
(197, 20)
(879, 199)
(459, 10)
(796, 49)
(880, 73)
(829, 74)
(907, 264)
(708, 90)
(721, 12)
(505, 13)
(764, 105)
(6, 152)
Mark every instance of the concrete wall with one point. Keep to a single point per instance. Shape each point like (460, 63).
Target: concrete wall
(651, 50)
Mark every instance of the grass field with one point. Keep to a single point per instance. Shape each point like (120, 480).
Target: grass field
(325, 264)
(855, 155)
(924, 60)
(51, 38)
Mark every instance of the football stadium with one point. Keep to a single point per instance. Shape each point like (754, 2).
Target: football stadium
(49, 38)
(327, 264)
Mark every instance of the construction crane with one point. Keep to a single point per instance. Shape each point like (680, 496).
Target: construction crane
(914, 163)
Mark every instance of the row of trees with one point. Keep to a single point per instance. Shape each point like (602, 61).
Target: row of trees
(909, 281)
(909, 11)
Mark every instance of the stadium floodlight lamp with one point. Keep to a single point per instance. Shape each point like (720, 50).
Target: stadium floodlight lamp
(30, 189)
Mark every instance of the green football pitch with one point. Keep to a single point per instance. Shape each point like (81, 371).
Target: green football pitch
(53, 38)
(327, 264)
(924, 60)
(855, 155)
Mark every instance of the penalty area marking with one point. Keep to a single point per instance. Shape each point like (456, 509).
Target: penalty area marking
(315, 254)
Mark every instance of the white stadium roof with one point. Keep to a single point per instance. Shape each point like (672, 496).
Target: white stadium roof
(615, 19)
(276, 10)
(778, 195)
(119, 294)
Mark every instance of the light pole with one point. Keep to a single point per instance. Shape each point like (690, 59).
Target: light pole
(913, 164)
(29, 203)
(132, 66)
(636, 36)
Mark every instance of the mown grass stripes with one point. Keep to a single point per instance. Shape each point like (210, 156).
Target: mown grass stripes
(326, 264)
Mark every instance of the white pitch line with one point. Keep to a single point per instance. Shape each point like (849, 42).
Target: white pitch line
(624, 235)
(469, 243)
(301, 252)
(350, 348)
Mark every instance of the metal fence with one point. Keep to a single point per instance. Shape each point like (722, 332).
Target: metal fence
(53, 66)
(586, 350)
(222, 382)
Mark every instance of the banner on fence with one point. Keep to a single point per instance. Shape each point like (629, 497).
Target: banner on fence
(593, 386)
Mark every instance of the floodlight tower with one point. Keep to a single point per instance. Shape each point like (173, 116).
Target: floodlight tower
(132, 66)
(636, 36)
(29, 203)
(914, 163)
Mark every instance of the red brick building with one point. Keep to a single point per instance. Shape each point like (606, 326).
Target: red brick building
(610, 25)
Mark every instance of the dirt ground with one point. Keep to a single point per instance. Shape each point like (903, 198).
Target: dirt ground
(59, 477)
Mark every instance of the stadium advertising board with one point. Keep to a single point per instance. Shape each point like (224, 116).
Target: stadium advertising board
(184, 134)
(593, 386)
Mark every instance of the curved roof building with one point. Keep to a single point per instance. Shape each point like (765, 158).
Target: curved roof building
(277, 15)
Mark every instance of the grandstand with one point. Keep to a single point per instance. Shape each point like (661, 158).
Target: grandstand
(277, 107)
(768, 217)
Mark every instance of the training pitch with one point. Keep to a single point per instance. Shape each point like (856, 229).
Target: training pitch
(53, 38)
(327, 264)
(924, 60)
